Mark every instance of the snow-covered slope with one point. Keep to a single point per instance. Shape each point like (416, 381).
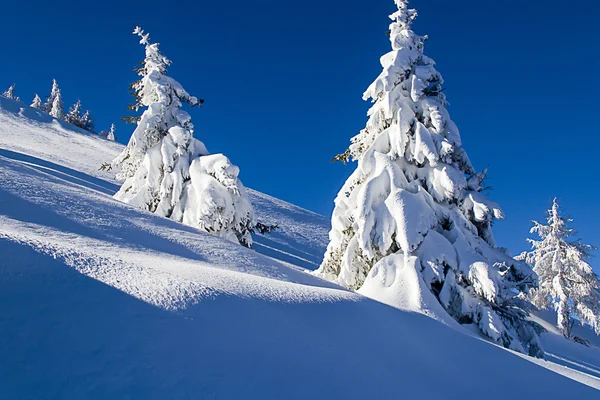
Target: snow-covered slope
(301, 236)
(34, 137)
(567, 352)
(99, 300)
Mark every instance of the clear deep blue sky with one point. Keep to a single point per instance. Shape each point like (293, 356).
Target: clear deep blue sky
(283, 83)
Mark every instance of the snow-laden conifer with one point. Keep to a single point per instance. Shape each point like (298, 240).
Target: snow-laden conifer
(111, 133)
(10, 92)
(57, 109)
(567, 282)
(77, 118)
(53, 93)
(87, 122)
(169, 172)
(37, 103)
(411, 226)
(74, 114)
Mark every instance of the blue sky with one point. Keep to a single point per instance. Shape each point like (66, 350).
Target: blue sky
(283, 83)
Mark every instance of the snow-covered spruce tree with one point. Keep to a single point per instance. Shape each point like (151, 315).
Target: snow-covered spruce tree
(411, 226)
(57, 108)
(37, 103)
(111, 133)
(567, 282)
(87, 122)
(10, 92)
(74, 114)
(169, 172)
(53, 93)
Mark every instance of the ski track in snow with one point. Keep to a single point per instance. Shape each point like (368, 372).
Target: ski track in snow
(99, 300)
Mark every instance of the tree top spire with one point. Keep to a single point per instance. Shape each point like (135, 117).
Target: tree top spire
(154, 60)
(404, 16)
(145, 37)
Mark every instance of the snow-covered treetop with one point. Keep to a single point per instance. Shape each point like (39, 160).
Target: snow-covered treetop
(163, 96)
(154, 59)
(53, 93)
(404, 17)
(409, 119)
(154, 68)
(554, 235)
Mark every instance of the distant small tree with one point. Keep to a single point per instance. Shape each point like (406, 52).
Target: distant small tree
(57, 109)
(53, 93)
(111, 133)
(37, 103)
(108, 134)
(74, 114)
(87, 122)
(10, 92)
(567, 282)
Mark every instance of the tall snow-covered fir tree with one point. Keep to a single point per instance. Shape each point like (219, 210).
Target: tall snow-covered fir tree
(37, 103)
(10, 92)
(169, 172)
(567, 282)
(53, 93)
(411, 226)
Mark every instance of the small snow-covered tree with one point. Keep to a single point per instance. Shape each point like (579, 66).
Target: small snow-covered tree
(567, 282)
(411, 226)
(74, 114)
(10, 92)
(75, 117)
(53, 93)
(167, 171)
(37, 103)
(87, 122)
(111, 133)
(57, 109)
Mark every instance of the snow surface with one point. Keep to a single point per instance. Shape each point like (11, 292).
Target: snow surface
(301, 237)
(100, 300)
